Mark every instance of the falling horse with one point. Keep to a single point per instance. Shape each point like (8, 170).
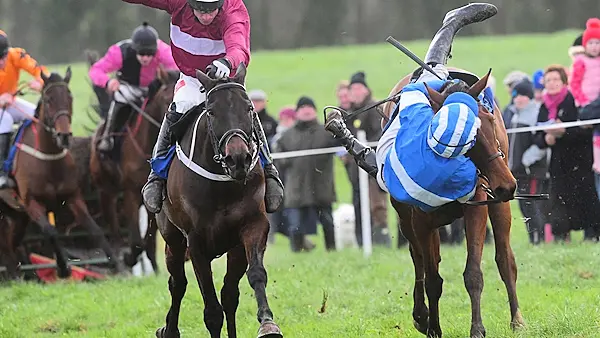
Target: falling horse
(45, 172)
(494, 180)
(129, 173)
(215, 205)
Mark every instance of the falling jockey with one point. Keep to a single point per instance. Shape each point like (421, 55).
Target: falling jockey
(212, 35)
(420, 158)
(136, 62)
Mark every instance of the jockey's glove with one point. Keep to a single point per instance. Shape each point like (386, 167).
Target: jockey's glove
(219, 69)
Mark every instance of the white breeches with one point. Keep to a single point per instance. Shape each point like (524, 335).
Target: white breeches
(189, 92)
(387, 140)
(15, 113)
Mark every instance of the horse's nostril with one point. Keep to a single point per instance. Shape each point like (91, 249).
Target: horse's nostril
(229, 161)
(248, 160)
(504, 193)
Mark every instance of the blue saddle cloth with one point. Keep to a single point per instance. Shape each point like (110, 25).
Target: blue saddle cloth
(160, 164)
(8, 163)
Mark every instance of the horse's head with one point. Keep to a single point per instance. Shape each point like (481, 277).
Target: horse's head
(160, 92)
(486, 152)
(56, 107)
(230, 122)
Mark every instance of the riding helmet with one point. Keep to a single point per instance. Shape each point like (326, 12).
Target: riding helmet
(4, 44)
(144, 40)
(206, 6)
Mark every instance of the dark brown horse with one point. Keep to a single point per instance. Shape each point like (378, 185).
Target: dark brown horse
(129, 173)
(45, 171)
(223, 214)
(420, 228)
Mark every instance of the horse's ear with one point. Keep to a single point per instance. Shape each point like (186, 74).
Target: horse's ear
(480, 85)
(161, 74)
(43, 76)
(240, 74)
(67, 75)
(207, 82)
(434, 95)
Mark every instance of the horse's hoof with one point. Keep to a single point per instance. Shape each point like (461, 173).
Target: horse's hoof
(421, 328)
(269, 329)
(62, 274)
(434, 333)
(478, 332)
(162, 333)
(517, 322)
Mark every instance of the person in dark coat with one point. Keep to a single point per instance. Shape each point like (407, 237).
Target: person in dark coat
(309, 180)
(370, 122)
(269, 124)
(528, 163)
(575, 205)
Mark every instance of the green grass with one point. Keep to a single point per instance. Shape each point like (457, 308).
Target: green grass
(558, 285)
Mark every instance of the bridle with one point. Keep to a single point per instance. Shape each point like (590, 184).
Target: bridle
(220, 144)
(47, 122)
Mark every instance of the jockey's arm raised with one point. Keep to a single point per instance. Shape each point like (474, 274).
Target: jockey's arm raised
(111, 62)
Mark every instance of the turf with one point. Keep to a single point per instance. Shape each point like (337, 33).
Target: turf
(558, 285)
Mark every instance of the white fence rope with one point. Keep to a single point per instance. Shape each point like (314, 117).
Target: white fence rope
(333, 150)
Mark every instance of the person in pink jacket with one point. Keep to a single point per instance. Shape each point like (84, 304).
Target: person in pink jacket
(135, 62)
(212, 35)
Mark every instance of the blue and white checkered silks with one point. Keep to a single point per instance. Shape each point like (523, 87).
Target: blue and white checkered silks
(452, 130)
(409, 168)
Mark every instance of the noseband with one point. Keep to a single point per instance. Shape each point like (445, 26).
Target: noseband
(219, 144)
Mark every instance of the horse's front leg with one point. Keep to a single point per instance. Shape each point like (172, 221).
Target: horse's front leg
(131, 206)
(420, 312)
(83, 217)
(475, 225)
(255, 242)
(108, 203)
(38, 214)
(429, 241)
(500, 217)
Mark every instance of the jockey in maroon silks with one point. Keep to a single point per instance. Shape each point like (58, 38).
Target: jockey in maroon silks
(212, 35)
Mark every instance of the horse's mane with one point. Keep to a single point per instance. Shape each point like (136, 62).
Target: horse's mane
(155, 85)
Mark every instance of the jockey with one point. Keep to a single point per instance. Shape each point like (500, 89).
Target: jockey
(136, 61)
(12, 109)
(212, 35)
(420, 158)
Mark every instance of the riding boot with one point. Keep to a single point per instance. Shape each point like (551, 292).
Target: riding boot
(106, 143)
(152, 192)
(5, 181)
(363, 155)
(274, 186)
(441, 44)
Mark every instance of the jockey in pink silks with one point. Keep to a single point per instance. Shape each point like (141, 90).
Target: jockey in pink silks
(212, 35)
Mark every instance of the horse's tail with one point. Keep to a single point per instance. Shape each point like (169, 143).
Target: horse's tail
(441, 44)
(92, 56)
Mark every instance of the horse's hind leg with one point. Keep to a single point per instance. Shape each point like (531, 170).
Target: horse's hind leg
(213, 311)
(108, 204)
(230, 293)
(475, 221)
(255, 242)
(505, 259)
(175, 249)
(37, 213)
(83, 217)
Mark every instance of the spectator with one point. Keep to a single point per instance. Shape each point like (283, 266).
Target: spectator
(269, 124)
(343, 95)
(577, 48)
(573, 200)
(526, 160)
(538, 85)
(370, 122)
(509, 82)
(309, 180)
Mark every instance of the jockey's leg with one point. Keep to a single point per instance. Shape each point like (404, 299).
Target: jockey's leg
(274, 186)
(5, 135)
(363, 155)
(103, 101)
(188, 94)
(106, 140)
(17, 112)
